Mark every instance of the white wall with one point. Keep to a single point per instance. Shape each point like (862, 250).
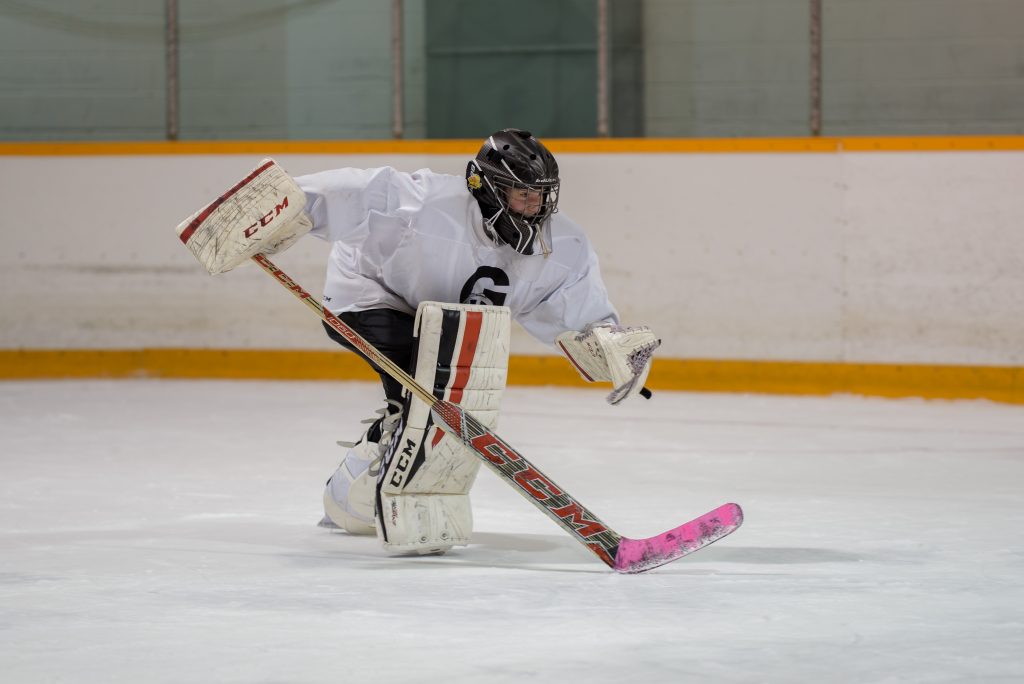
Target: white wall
(876, 257)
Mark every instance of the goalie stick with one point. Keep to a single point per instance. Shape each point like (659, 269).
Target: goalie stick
(622, 554)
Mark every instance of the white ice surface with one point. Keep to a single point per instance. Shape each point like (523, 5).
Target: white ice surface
(164, 532)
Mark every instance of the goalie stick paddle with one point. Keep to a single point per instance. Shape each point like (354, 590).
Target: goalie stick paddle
(622, 554)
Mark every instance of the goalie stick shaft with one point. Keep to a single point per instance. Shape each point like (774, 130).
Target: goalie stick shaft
(619, 553)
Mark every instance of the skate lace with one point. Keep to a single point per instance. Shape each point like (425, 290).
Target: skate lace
(389, 417)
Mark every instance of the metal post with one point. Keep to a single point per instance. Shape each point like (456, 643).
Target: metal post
(815, 67)
(396, 69)
(602, 69)
(171, 40)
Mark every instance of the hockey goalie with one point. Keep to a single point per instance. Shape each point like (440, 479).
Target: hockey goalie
(430, 269)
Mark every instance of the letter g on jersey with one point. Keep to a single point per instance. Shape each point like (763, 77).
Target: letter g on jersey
(488, 285)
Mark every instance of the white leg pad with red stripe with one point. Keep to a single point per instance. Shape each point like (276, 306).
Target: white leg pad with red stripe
(423, 494)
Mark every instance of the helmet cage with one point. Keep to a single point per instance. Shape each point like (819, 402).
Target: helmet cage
(526, 226)
(519, 230)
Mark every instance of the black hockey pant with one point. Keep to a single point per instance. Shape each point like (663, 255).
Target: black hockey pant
(390, 332)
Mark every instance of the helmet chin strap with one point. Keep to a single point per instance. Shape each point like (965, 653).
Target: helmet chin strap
(489, 228)
(545, 248)
(536, 239)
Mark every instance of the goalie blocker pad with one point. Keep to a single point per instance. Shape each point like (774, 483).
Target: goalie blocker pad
(423, 492)
(263, 213)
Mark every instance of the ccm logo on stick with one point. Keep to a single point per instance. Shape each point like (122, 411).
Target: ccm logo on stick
(536, 485)
(493, 450)
(264, 220)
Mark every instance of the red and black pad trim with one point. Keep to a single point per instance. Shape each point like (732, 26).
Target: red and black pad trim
(467, 352)
(454, 361)
(450, 323)
(463, 364)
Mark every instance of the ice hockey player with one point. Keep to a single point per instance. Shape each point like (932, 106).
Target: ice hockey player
(429, 268)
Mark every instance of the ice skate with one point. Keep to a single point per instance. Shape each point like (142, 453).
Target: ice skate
(349, 493)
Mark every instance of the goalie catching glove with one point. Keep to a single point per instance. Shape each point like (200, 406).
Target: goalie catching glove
(264, 213)
(603, 352)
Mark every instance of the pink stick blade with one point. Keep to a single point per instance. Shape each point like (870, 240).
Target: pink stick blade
(640, 555)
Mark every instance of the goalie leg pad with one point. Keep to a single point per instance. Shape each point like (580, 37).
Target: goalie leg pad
(423, 493)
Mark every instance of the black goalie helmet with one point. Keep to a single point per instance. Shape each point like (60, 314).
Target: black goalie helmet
(514, 178)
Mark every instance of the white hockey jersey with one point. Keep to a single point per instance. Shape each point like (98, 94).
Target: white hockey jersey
(400, 239)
